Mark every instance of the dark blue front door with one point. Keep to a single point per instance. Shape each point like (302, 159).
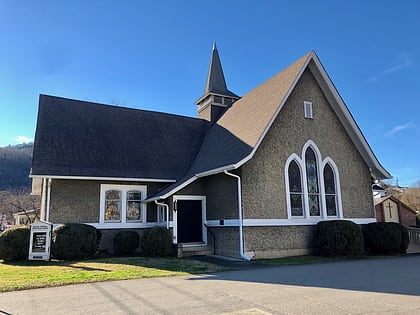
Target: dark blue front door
(189, 221)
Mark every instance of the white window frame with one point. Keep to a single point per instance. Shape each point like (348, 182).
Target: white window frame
(300, 160)
(161, 214)
(124, 189)
(329, 161)
(308, 110)
(297, 159)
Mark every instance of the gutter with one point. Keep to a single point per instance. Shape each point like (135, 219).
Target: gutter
(167, 212)
(241, 239)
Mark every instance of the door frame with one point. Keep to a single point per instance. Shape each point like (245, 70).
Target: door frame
(203, 215)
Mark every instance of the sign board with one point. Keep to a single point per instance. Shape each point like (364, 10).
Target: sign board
(40, 241)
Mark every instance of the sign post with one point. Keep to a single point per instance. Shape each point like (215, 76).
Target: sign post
(40, 241)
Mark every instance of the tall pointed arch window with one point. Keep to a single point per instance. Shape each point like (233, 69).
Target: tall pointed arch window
(330, 191)
(312, 182)
(295, 189)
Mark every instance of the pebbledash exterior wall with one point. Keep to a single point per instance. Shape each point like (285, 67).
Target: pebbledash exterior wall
(77, 201)
(263, 179)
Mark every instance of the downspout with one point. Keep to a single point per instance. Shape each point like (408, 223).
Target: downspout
(47, 214)
(167, 212)
(241, 238)
(43, 199)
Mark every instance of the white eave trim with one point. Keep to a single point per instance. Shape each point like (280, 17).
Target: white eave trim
(192, 179)
(121, 179)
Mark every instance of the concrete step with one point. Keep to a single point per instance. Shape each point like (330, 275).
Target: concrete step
(186, 251)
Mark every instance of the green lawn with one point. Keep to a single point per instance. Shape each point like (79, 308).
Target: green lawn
(39, 274)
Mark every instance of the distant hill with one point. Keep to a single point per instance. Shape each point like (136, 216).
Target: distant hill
(15, 163)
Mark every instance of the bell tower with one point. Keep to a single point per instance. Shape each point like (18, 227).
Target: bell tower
(216, 97)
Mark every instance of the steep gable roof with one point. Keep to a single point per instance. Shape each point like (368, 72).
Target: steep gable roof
(83, 139)
(250, 118)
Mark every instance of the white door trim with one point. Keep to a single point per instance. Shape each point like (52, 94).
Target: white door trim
(203, 215)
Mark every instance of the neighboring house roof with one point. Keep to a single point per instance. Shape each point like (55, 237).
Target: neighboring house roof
(248, 120)
(84, 139)
(377, 187)
(378, 201)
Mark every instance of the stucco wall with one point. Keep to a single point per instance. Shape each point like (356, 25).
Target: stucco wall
(221, 196)
(77, 201)
(279, 241)
(222, 200)
(264, 195)
(225, 240)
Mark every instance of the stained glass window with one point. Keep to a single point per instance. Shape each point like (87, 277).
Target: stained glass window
(330, 191)
(312, 181)
(295, 189)
(133, 212)
(112, 205)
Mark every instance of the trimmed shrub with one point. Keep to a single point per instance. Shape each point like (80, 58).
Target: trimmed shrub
(386, 238)
(157, 242)
(405, 237)
(74, 240)
(338, 238)
(14, 243)
(126, 242)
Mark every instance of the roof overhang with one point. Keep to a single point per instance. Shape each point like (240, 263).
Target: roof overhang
(123, 179)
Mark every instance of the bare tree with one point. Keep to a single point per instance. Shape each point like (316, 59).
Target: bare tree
(18, 200)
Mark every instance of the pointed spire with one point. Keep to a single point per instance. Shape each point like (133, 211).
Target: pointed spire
(216, 97)
(215, 77)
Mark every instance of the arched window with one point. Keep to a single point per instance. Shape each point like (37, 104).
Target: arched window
(330, 191)
(295, 190)
(312, 185)
(312, 181)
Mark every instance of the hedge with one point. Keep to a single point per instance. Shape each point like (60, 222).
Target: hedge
(338, 238)
(14, 243)
(74, 240)
(126, 242)
(157, 242)
(386, 238)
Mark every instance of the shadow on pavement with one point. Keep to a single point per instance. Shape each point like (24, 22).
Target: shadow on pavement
(399, 275)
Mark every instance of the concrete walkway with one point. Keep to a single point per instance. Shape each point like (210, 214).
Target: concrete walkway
(371, 286)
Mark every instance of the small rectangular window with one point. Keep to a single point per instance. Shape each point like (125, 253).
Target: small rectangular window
(161, 214)
(308, 109)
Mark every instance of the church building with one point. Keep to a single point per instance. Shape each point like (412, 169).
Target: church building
(250, 177)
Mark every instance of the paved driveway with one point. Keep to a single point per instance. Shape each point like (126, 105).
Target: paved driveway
(373, 286)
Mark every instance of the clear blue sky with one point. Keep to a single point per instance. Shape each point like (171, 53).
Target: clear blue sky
(155, 55)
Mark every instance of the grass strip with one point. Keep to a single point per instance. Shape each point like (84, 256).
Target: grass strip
(40, 274)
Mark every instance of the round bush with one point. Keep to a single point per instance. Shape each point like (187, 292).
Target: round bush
(74, 240)
(14, 243)
(126, 242)
(338, 238)
(383, 238)
(405, 237)
(157, 242)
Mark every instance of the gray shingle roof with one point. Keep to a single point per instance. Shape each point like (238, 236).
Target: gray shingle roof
(77, 138)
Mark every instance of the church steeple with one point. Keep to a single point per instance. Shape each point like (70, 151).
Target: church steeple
(216, 97)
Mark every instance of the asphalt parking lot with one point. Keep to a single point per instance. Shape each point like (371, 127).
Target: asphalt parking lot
(370, 286)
